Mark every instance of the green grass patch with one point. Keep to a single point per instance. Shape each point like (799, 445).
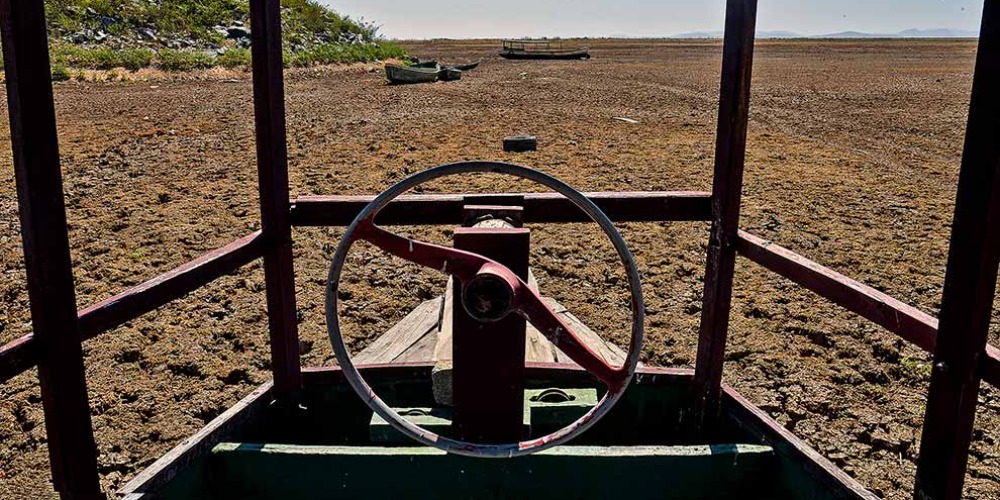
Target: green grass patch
(344, 53)
(311, 29)
(303, 21)
(183, 60)
(234, 58)
(101, 58)
(60, 73)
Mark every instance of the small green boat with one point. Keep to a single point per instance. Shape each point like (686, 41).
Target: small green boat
(409, 74)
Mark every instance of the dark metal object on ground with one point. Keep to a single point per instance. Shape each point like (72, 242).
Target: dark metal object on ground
(520, 143)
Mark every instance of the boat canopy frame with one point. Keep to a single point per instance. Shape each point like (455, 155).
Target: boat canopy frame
(962, 356)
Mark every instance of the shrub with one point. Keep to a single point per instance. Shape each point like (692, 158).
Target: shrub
(234, 58)
(102, 57)
(59, 73)
(183, 60)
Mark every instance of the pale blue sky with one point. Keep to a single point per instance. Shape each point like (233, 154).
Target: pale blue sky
(522, 18)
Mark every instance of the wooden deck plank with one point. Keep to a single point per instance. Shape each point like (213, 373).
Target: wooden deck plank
(404, 336)
(424, 336)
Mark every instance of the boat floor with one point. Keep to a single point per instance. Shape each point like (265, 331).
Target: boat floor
(330, 443)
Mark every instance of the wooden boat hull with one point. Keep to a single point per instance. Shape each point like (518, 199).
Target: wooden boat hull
(545, 55)
(407, 75)
(466, 67)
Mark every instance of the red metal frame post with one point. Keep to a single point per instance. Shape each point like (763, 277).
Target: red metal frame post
(272, 168)
(72, 451)
(730, 154)
(970, 283)
(488, 358)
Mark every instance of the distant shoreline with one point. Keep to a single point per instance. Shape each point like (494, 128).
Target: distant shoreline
(706, 38)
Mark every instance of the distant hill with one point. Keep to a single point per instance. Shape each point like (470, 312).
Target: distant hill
(760, 34)
(910, 33)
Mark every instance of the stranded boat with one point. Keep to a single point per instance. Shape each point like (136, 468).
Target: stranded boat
(541, 49)
(410, 74)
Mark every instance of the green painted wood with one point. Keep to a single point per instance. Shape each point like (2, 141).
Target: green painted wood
(303, 472)
(647, 418)
(546, 417)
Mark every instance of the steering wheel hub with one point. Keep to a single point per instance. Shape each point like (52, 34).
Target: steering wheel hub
(488, 297)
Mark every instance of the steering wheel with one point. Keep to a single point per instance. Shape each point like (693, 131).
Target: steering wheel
(490, 292)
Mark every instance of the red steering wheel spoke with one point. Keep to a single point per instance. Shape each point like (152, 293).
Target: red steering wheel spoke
(530, 305)
(460, 264)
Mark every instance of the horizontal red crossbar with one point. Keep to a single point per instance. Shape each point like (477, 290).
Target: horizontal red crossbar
(904, 320)
(640, 206)
(19, 355)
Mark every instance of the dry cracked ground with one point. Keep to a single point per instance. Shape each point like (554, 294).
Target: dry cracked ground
(853, 161)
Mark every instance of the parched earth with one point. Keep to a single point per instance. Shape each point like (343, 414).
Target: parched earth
(853, 161)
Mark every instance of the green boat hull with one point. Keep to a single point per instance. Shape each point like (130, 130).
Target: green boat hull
(332, 446)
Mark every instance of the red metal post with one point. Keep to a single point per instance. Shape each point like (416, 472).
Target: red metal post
(72, 451)
(488, 358)
(970, 283)
(272, 168)
(730, 153)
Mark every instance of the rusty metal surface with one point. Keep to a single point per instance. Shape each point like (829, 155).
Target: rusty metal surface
(730, 155)
(640, 206)
(272, 172)
(72, 451)
(488, 358)
(20, 355)
(969, 285)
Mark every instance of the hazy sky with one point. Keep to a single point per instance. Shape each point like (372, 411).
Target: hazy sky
(522, 18)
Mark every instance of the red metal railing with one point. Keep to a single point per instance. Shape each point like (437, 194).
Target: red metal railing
(20, 355)
(908, 322)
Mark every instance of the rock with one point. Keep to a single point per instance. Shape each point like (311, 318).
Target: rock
(237, 32)
(107, 22)
(148, 34)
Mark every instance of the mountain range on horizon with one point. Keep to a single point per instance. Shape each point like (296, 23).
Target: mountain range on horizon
(910, 33)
